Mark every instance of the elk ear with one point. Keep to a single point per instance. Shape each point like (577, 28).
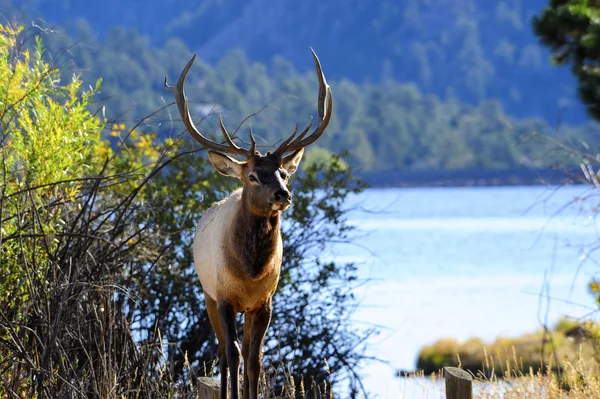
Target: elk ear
(291, 162)
(225, 165)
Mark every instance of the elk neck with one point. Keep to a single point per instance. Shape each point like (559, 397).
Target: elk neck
(256, 238)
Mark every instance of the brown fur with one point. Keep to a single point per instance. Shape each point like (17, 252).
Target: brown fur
(253, 253)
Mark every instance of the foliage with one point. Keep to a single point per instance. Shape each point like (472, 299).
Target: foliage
(47, 137)
(595, 290)
(570, 29)
(320, 156)
(99, 294)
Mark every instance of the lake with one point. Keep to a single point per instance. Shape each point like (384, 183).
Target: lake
(466, 262)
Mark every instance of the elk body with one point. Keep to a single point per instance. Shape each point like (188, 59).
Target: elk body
(238, 246)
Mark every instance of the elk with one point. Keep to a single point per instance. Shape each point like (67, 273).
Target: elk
(238, 247)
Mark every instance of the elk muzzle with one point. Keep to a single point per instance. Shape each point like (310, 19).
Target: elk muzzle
(281, 200)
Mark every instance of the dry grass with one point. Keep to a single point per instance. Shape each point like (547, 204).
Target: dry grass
(562, 363)
(578, 379)
(567, 342)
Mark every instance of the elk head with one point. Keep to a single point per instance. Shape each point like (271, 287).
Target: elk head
(265, 177)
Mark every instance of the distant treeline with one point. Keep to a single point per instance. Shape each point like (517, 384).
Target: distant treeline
(384, 126)
(472, 50)
(471, 177)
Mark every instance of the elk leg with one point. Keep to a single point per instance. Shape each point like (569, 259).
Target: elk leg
(260, 322)
(248, 318)
(213, 316)
(232, 347)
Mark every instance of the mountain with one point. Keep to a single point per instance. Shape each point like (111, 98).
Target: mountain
(464, 49)
(385, 121)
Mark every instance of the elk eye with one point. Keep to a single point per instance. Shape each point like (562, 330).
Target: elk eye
(253, 178)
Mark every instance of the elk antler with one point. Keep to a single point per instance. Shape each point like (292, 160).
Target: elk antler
(182, 105)
(324, 116)
(290, 144)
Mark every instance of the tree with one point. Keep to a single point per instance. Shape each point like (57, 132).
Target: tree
(570, 29)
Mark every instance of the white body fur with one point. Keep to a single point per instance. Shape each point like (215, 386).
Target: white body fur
(207, 247)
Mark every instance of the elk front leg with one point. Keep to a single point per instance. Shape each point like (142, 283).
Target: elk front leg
(232, 348)
(213, 316)
(248, 318)
(260, 322)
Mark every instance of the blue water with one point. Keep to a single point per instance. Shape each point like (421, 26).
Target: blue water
(465, 262)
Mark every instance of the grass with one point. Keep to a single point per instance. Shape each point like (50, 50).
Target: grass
(548, 364)
(567, 343)
(576, 380)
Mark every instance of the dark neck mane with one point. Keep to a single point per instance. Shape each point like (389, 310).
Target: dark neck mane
(255, 239)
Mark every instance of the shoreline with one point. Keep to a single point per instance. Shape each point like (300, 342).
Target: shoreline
(470, 178)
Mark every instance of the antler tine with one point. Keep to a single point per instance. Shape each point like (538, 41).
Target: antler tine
(282, 147)
(325, 111)
(306, 129)
(234, 147)
(182, 105)
(252, 141)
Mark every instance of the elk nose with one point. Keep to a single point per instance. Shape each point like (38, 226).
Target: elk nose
(282, 197)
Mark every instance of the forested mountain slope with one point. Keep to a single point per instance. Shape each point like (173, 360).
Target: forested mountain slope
(386, 123)
(473, 50)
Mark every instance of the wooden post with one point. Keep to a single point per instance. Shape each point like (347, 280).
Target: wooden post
(459, 383)
(209, 388)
